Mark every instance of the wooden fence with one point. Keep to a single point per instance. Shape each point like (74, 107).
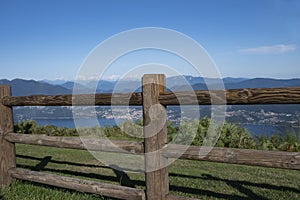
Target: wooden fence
(153, 92)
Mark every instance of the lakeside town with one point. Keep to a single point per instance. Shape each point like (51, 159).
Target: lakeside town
(239, 115)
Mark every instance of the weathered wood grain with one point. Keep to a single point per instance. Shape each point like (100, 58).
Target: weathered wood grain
(155, 133)
(104, 145)
(134, 99)
(276, 159)
(104, 189)
(234, 97)
(7, 149)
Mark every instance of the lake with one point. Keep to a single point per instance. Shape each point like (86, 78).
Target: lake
(254, 129)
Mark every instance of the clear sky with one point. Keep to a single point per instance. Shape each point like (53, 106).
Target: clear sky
(50, 39)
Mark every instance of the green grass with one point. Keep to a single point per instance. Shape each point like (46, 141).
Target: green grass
(204, 180)
(30, 191)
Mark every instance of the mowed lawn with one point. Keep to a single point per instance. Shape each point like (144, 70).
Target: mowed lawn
(198, 179)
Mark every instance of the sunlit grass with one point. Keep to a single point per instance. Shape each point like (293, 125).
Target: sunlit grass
(203, 180)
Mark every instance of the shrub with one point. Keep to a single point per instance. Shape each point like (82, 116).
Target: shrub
(206, 132)
(194, 132)
(290, 141)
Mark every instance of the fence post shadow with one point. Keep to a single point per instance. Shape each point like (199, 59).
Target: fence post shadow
(44, 162)
(122, 177)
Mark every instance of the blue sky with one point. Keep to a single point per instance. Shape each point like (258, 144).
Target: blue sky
(51, 39)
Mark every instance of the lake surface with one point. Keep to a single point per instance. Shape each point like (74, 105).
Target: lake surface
(254, 129)
(69, 123)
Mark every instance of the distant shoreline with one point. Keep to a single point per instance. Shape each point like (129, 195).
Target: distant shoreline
(254, 129)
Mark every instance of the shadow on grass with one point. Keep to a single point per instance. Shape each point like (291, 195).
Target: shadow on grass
(123, 179)
(61, 162)
(235, 183)
(97, 196)
(239, 185)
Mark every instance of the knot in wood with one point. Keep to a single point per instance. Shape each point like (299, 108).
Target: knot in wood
(244, 94)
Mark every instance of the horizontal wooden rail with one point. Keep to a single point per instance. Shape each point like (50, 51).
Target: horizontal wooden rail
(118, 146)
(276, 159)
(233, 97)
(94, 187)
(134, 99)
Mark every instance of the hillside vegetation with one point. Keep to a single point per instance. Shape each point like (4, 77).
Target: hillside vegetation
(231, 135)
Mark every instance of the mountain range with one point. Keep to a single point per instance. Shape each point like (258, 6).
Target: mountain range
(21, 87)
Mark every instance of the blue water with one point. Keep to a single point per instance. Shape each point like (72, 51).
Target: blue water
(254, 129)
(83, 122)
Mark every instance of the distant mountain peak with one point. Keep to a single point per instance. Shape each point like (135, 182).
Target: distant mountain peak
(54, 82)
(21, 87)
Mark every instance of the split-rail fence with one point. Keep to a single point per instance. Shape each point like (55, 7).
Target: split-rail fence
(153, 93)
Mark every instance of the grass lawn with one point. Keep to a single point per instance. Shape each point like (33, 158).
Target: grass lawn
(203, 180)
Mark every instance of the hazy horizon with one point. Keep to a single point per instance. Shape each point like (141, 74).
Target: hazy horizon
(62, 81)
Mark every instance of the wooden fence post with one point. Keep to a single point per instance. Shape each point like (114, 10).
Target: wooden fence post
(155, 132)
(7, 149)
